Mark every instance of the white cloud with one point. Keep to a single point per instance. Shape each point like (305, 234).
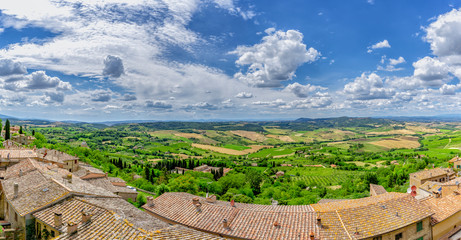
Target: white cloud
(158, 104)
(449, 89)
(275, 59)
(244, 95)
(396, 61)
(382, 44)
(113, 66)
(391, 64)
(368, 87)
(302, 91)
(9, 67)
(431, 71)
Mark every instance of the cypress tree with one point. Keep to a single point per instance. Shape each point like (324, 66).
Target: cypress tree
(33, 131)
(20, 130)
(7, 129)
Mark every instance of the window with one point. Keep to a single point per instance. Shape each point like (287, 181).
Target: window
(419, 226)
(399, 236)
(53, 234)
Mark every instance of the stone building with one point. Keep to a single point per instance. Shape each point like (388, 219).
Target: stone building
(434, 174)
(63, 160)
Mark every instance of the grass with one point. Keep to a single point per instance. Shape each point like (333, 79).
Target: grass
(270, 152)
(235, 147)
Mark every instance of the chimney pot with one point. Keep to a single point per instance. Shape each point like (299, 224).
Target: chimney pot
(71, 228)
(225, 224)
(57, 219)
(150, 201)
(86, 216)
(16, 190)
(195, 200)
(69, 177)
(311, 236)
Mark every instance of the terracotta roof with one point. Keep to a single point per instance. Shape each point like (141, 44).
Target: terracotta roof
(353, 203)
(455, 159)
(430, 186)
(433, 172)
(182, 233)
(378, 189)
(88, 172)
(54, 155)
(249, 221)
(138, 218)
(443, 207)
(105, 184)
(104, 224)
(17, 153)
(35, 192)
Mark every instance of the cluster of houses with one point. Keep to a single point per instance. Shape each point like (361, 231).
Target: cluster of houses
(48, 194)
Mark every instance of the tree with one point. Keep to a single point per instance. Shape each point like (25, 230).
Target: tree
(20, 130)
(7, 129)
(33, 131)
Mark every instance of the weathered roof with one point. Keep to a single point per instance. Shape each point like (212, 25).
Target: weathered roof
(378, 189)
(105, 184)
(455, 159)
(41, 184)
(104, 224)
(124, 209)
(54, 155)
(182, 233)
(115, 179)
(369, 216)
(35, 192)
(430, 186)
(17, 153)
(443, 207)
(353, 203)
(249, 221)
(328, 200)
(433, 172)
(88, 172)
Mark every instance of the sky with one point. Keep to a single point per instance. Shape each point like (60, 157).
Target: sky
(108, 60)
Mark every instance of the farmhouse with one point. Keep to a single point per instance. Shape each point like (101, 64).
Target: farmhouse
(23, 139)
(435, 174)
(63, 160)
(455, 163)
(206, 168)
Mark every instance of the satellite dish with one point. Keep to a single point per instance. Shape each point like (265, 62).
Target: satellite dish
(413, 193)
(413, 188)
(409, 190)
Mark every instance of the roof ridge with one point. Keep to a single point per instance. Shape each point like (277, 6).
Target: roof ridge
(342, 224)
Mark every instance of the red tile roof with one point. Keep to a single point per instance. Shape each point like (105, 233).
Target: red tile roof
(249, 221)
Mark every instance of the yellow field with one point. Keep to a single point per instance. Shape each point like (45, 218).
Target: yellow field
(403, 142)
(254, 148)
(189, 135)
(393, 132)
(281, 137)
(422, 129)
(253, 136)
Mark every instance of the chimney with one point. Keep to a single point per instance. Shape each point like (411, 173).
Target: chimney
(311, 236)
(224, 224)
(86, 216)
(69, 177)
(150, 201)
(20, 172)
(16, 190)
(211, 199)
(319, 221)
(71, 228)
(57, 219)
(195, 200)
(198, 207)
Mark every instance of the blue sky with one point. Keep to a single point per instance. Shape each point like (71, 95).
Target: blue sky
(96, 60)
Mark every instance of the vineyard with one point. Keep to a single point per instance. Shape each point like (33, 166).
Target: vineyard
(322, 180)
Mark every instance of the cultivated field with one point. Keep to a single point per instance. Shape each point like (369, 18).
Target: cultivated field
(253, 136)
(393, 132)
(402, 142)
(281, 138)
(253, 148)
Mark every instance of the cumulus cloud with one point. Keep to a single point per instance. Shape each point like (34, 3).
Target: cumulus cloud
(113, 66)
(275, 59)
(382, 44)
(449, 89)
(9, 67)
(55, 97)
(128, 97)
(200, 105)
(391, 64)
(431, 71)
(368, 87)
(101, 96)
(244, 95)
(39, 80)
(302, 91)
(158, 104)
